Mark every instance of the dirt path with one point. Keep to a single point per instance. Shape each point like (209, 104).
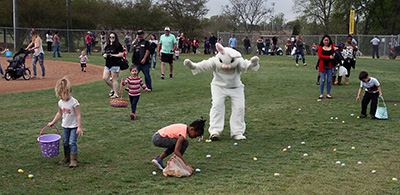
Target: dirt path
(54, 71)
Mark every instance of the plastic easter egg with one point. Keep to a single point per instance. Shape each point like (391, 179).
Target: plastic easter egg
(154, 173)
(276, 174)
(336, 118)
(299, 109)
(394, 179)
(289, 147)
(334, 150)
(338, 162)
(351, 114)
(208, 156)
(235, 144)
(305, 154)
(343, 122)
(359, 162)
(331, 118)
(198, 170)
(373, 171)
(255, 159)
(353, 148)
(343, 164)
(20, 171)
(30, 176)
(284, 150)
(303, 142)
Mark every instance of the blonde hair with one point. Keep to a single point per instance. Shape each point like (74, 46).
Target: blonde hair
(63, 88)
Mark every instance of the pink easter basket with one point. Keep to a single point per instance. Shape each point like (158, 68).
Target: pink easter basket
(119, 102)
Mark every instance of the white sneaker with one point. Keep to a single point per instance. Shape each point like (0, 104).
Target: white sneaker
(297, 64)
(214, 136)
(239, 137)
(305, 64)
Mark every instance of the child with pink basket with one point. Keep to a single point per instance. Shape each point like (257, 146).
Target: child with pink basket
(134, 82)
(68, 109)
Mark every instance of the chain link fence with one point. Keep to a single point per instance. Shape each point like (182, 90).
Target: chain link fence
(363, 42)
(70, 40)
(74, 39)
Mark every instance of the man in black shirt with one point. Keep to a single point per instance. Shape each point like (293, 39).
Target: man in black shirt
(140, 57)
(247, 45)
(267, 45)
(213, 41)
(274, 43)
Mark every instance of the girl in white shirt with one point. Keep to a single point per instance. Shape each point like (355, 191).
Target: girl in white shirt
(68, 109)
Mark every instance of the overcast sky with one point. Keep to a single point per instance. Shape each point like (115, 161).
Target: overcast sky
(284, 6)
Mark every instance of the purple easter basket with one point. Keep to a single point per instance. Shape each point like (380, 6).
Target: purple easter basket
(119, 102)
(49, 143)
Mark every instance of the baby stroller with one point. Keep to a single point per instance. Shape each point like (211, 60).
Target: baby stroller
(17, 67)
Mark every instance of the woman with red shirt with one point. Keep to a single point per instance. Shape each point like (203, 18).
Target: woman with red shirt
(325, 55)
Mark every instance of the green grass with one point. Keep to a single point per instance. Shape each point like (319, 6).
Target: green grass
(115, 152)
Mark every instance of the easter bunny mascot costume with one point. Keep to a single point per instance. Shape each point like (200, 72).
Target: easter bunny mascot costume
(227, 66)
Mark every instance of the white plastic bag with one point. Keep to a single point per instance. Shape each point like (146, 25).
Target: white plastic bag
(177, 168)
(342, 71)
(293, 51)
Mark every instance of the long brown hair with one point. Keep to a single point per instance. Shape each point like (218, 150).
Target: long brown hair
(63, 89)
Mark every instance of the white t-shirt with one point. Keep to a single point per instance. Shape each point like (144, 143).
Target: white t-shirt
(371, 86)
(68, 113)
(83, 59)
(375, 41)
(49, 38)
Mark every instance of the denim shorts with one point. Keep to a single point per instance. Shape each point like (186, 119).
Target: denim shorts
(113, 68)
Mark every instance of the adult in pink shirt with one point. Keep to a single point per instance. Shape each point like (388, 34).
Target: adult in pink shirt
(56, 45)
(88, 40)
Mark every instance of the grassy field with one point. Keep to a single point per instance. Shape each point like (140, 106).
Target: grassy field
(115, 152)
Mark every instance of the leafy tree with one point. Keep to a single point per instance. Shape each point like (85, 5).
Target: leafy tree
(247, 12)
(185, 15)
(320, 10)
(382, 16)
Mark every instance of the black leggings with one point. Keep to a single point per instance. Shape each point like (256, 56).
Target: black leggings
(169, 143)
(348, 63)
(373, 97)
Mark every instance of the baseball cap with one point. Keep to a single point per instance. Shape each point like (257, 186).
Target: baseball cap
(167, 29)
(140, 32)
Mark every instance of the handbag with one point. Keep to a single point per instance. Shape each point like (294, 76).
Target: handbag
(124, 64)
(381, 112)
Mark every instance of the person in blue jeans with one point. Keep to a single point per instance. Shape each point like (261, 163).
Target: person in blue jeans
(141, 56)
(38, 53)
(300, 51)
(153, 50)
(69, 110)
(56, 45)
(325, 54)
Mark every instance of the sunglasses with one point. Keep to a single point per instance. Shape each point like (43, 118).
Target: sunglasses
(112, 36)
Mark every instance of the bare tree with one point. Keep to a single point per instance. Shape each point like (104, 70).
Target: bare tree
(247, 12)
(316, 9)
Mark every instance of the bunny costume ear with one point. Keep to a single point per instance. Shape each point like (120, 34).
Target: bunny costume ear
(220, 48)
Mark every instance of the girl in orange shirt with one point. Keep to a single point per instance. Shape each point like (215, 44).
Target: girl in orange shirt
(173, 137)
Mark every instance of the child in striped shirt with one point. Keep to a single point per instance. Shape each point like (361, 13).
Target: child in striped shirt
(134, 82)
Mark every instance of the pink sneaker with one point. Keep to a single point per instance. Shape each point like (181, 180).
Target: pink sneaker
(133, 116)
